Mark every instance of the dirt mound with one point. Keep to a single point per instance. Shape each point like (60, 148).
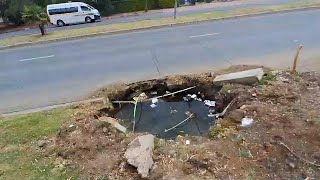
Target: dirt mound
(285, 110)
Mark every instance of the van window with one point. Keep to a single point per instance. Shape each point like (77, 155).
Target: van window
(85, 8)
(91, 7)
(63, 10)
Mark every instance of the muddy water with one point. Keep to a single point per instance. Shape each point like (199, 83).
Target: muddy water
(166, 115)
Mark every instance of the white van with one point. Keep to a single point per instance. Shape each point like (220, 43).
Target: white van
(72, 13)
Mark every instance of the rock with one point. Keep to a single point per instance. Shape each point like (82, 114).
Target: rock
(243, 77)
(104, 129)
(236, 115)
(291, 165)
(114, 123)
(139, 154)
(42, 143)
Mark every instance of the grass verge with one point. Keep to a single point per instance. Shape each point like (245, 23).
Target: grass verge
(113, 28)
(20, 157)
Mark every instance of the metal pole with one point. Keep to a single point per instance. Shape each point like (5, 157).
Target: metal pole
(175, 9)
(145, 5)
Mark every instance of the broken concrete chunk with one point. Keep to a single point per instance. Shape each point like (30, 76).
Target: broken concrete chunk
(114, 123)
(139, 154)
(243, 77)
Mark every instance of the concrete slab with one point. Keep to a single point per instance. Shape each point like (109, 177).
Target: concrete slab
(243, 77)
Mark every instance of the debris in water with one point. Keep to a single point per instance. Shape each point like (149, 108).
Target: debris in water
(187, 142)
(187, 99)
(154, 100)
(190, 116)
(210, 103)
(172, 111)
(153, 105)
(154, 93)
(246, 122)
(193, 96)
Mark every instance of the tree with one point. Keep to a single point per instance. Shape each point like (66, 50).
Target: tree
(13, 11)
(35, 14)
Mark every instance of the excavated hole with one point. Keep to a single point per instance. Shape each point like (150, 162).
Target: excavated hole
(168, 119)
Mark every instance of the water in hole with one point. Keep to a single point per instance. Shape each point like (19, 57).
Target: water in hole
(166, 115)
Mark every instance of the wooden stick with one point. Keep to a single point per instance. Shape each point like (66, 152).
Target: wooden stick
(173, 93)
(299, 157)
(294, 68)
(166, 130)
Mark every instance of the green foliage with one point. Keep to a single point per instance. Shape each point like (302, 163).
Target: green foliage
(268, 77)
(133, 5)
(14, 9)
(34, 14)
(166, 3)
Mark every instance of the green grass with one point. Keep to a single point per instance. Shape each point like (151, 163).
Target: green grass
(266, 78)
(65, 34)
(20, 158)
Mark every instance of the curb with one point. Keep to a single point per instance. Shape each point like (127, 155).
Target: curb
(163, 26)
(50, 107)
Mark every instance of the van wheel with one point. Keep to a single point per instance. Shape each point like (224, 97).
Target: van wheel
(88, 19)
(60, 23)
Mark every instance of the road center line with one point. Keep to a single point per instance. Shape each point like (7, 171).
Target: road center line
(203, 35)
(30, 59)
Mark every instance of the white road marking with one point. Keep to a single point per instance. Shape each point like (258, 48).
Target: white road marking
(203, 35)
(30, 59)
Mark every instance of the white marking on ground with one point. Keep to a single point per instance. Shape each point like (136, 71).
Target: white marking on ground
(36, 58)
(203, 35)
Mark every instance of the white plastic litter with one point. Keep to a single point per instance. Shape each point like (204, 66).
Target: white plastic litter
(246, 122)
(153, 105)
(187, 142)
(210, 103)
(154, 100)
(193, 96)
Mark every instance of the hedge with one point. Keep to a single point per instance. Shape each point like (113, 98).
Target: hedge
(166, 3)
(133, 5)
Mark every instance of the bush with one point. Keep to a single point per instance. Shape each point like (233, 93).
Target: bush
(166, 3)
(133, 5)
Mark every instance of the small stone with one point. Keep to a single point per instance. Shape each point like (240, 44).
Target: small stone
(243, 107)
(42, 143)
(254, 95)
(104, 129)
(291, 165)
(236, 115)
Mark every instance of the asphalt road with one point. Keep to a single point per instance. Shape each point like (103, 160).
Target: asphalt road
(150, 15)
(60, 72)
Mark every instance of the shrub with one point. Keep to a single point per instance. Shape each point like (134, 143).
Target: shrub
(133, 5)
(166, 3)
